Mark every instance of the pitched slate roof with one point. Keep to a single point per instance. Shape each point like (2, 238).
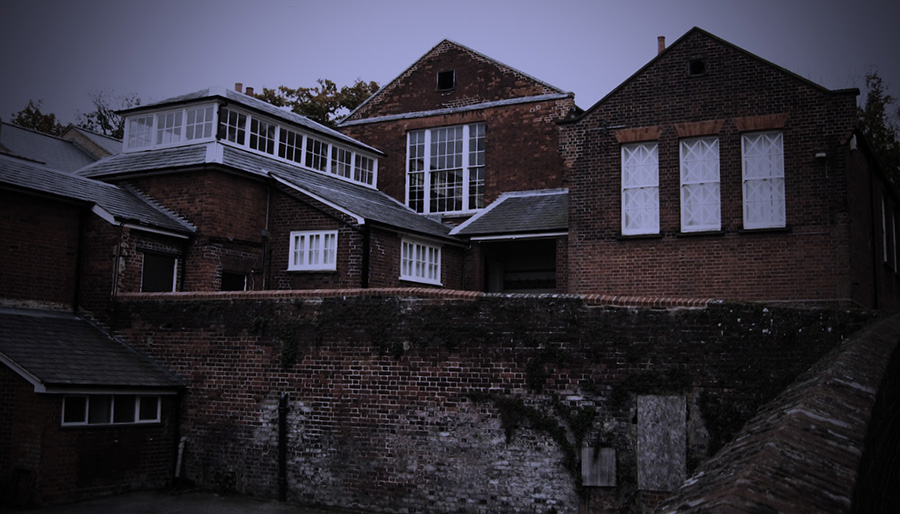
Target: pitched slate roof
(55, 152)
(520, 213)
(234, 97)
(360, 201)
(58, 350)
(123, 205)
(110, 145)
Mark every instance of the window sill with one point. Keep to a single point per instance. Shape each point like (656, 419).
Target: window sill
(629, 237)
(311, 270)
(420, 281)
(701, 233)
(772, 230)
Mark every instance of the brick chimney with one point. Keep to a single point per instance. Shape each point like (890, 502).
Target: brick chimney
(238, 87)
(248, 91)
(660, 44)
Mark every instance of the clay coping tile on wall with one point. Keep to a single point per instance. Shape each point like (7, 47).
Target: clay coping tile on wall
(424, 292)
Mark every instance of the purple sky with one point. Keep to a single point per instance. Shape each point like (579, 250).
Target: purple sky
(60, 50)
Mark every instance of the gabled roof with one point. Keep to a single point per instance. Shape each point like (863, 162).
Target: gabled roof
(365, 203)
(685, 36)
(548, 91)
(56, 351)
(103, 146)
(53, 151)
(231, 96)
(122, 205)
(518, 214)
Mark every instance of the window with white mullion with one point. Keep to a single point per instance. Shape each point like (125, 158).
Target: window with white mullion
(234, 126)
(700, 203)
(763, 180)
(416, 176)
(446, 169)
(313, 250)
(640, 188)
(168, 127)
(420, 262)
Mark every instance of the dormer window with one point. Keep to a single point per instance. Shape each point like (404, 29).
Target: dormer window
(446, 80)
(169, 128)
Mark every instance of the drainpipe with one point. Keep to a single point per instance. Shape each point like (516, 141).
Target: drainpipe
(79, 259)
(873, 211)
(366, 245)
(282, 447)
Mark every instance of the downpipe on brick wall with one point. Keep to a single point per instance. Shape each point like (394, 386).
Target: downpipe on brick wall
(282, 447)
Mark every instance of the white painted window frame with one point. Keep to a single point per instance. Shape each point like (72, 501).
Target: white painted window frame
(647, 187)
(420, 261)
(139, 399)
(774, 180)
(302, 245)
(427, 170)
(694, 178)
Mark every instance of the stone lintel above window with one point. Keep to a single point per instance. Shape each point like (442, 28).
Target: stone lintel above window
(763, 122)
(638, 134)
(699, 128)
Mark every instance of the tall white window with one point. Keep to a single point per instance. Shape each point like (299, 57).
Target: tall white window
(291, 147)
(316, 154)
(313, 250)
(168, 127)
(420, 262)
(199, 122)
(234, 126)
(341, 161)
(262, 136)
(445, 169)
(700, 204)
(763, 177)
(140, 131)
(640, 188)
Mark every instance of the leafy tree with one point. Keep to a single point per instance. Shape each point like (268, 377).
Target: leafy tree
(325, 103)
(104, 119)
(879, 125)
(31, 117)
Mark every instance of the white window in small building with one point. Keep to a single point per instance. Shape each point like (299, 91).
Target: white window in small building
(158, 273)
(233, 126)
(341, 162)
(316, 154)
(140, 131)
(110, 409)
(199, 123)
(445, 169)
(168, 127)
(262, 136)
(763, 177)
(700, 204)
(640, 188)
(313, 250)
(420, 262)
(291, 146)
(364, 169)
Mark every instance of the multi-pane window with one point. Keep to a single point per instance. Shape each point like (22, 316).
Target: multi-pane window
(364, 169)
(140, 131)
(700, 204)
(445, 169)
(233, 125)
(262, 135)
(199, 123)
(341, 162)
(763, 180)
(313, 250)
(316, 154)
(420, 262)
(640, 188)
(110, 409)
(291, 145)
(168, 127)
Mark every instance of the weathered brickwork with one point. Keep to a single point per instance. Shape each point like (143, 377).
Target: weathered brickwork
(808, 260)
(392, 396)
(45, 463)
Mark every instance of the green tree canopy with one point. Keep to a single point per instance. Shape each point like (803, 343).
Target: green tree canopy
(325, 103)
(879, 125)
(31, 117)
(105, 119)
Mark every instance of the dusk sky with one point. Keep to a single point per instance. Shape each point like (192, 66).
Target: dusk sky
(62, 51)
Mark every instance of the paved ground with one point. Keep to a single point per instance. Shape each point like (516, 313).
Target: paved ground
(163, 502)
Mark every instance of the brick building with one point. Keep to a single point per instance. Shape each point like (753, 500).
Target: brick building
(714, 173)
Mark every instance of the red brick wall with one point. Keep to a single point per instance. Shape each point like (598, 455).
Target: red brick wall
(53, 464)
(808, 261)
(39, 241)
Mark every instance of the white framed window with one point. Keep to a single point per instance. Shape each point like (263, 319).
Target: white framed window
(700, 201)
(420, 262)
(168, 127)
(445, 169)
(763, 179)
(290, 146)
(341, 161)
(262, 136)
(316, 154)
(198, 123)
(364, 169)
(140, 131)
(640, 188)
(313, 250)
(233, 125)
(110, 409)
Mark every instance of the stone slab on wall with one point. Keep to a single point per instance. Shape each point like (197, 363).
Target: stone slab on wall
(661, 442)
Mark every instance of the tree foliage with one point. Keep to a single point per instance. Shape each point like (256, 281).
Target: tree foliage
(105, 119)
(325, 103)
(879, 125)
(31, 117)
